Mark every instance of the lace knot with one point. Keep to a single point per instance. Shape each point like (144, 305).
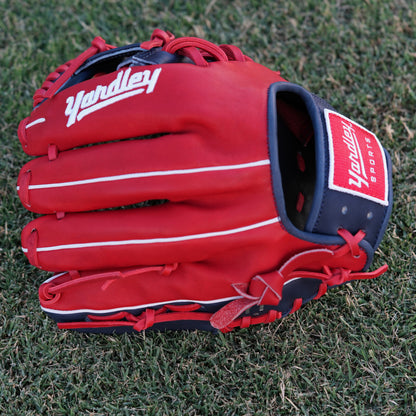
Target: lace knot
(159, 38)
(352, 242)
(99, 43)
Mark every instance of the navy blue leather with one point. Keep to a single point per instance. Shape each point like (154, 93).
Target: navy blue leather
(330, 209)
(113, 59)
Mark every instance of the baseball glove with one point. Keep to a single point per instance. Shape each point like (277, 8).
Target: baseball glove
(185, 186)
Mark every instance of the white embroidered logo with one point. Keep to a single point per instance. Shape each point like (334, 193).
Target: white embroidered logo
(124, 86)
(357, 161)
(357, 172)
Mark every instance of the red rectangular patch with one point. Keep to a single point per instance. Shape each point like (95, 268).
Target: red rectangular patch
(357, 163)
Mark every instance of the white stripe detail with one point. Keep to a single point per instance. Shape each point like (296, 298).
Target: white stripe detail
(37, 121)
(148, 305)
(55, 276)
(158, 240)
(152, 174)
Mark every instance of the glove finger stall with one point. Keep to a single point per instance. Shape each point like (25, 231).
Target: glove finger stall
(83, 114)
(126, 173)
(172, 232)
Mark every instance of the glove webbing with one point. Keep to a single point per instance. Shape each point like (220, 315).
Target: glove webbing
(199, 50)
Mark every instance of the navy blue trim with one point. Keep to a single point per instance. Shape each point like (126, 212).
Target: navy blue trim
(110, 55)
(274, 162)
(390, 198)
(325, 216)
(106, 61)
(83, 316)
(185, 325)
(113, 59)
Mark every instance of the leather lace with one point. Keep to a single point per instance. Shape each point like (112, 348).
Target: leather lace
(266, 289)
(263, 289)
(51, 292)
(141, 322)
(56, 79)
(200, 51)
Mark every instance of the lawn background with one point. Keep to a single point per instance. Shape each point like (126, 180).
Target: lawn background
(350, 353)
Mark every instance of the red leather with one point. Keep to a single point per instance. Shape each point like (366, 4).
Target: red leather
(210, 161)
(217, 118)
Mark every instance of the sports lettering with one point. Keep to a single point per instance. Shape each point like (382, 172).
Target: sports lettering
(125, 85)
(357, 172)
(357, 164)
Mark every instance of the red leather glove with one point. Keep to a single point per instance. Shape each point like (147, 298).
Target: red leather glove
(185, 186)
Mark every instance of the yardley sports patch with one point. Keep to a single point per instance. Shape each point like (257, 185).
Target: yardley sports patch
(357, 163)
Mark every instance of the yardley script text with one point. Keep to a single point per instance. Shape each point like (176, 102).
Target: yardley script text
(125, 85)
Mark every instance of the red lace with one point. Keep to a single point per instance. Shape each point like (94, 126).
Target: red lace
(266, 289)
(200, 51)
(50, 292)
(143, 321)
(247, 321)
(56, 79)
(159, 38)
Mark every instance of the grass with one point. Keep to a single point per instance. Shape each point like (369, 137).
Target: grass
(350, 353)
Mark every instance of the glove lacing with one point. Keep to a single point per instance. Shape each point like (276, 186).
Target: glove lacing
(263, 289)
(50, 292)
(55, 80)
(266, 289)
(200, 51)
